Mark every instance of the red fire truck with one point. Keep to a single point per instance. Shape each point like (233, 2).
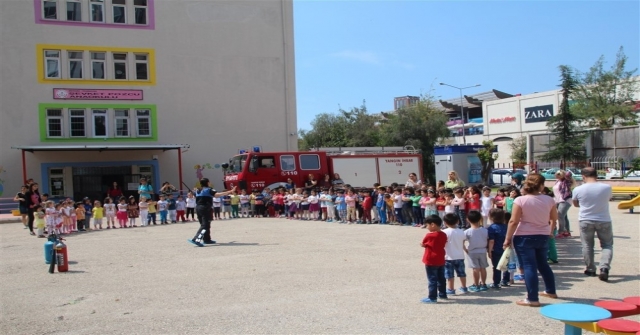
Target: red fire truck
(358, 167)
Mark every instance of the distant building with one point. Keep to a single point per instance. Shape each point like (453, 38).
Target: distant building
(406, 101)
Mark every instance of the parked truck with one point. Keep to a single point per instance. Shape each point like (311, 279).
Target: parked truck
(358, 167)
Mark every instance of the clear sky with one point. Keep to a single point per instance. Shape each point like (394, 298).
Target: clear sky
(350, 51)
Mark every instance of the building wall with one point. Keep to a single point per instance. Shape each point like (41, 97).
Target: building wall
(221, 78)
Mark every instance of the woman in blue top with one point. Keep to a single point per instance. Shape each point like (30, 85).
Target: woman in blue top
(145, 190)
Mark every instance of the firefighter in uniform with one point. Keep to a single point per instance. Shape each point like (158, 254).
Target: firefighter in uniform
(204, 210)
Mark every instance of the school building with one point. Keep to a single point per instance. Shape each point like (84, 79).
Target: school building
(102, 91)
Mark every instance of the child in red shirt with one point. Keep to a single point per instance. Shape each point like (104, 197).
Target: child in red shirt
(433, 259)
(367, 204)
(473, 199)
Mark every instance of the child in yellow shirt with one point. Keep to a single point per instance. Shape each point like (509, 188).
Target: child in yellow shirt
(98, 214)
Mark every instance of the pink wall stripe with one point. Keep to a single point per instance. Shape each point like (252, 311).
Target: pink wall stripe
(37, 4)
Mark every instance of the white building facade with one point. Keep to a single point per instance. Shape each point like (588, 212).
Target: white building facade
(101, 91)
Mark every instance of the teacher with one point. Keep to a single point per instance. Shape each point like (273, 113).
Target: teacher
(145, 190)
(453, 181)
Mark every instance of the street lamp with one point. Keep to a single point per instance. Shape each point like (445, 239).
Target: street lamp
(464, 138)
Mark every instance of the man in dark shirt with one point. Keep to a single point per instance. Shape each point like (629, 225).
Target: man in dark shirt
(204, 209)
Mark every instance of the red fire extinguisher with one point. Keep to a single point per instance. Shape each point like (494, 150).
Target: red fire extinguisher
(61, 257)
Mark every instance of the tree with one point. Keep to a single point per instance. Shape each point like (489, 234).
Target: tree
(519, 151)
(603, 97)
(487, 158)
(568, 141)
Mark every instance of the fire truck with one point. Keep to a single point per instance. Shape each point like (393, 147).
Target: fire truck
(359, 167)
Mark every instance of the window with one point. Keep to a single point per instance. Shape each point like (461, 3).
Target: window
(54, 122)
(97, 10)
(52, 63)
(99, 123)
(309, 162)
(77, 123)
(287, 163)
(75, 64)
(119, 11)
(267, 162)
(74, 12)
(120, 66)
(50, 9)
(97, 65)
(140, 8)
(142, 67)
(122, 122)
(143, 122)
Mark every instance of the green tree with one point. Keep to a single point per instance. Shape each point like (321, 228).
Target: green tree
(568, 141)
(487, 158)
(604, 97)
(519, 151)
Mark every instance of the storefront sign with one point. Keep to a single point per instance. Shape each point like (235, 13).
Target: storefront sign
(106, 94)
(503, 119)
(538, 113)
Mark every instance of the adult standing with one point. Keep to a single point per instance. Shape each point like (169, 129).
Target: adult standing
(326, 183)
(530, 231)
(592, 199)
(413, 181)
(32, 199)
(22, 205)
(290, 185)
(454, 181)
(167, 188)
(204, 210)
(337, 181)
(144, 189)
(311, 183)
(516, 181)
(114, 192)
(562, 196)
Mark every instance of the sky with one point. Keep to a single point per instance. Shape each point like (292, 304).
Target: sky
(350, 51)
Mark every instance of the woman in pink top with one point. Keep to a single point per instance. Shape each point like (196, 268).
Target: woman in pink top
(533, 220)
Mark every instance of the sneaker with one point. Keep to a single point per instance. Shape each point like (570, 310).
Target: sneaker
(451, 292)
(518, 277)
(590, 273)
(495, 286)
(474, 288)
(551, 261)
(464, 290)
(560, 236)
(505, 284)
(195, 243)
(209, 242)
(567, 234)
(604, 274)
(483, 287)
(428, 301)
(443, 297)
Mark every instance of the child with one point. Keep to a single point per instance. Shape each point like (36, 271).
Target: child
(487, 202)
(88, 212)
(434, 259)
(448, 206)
(152, 211)
(441, 202)
(476, 249)
(350, 200)
(259, 203)
(217, 206)
(473, 199)
(252, 203)
(388, 201)
(162, 209)
(417, 210)
(73, 225)
(499, 199)
(341, 205)
(331, 205)
(50, 216)
(314, 205)
(235, 205)
(430, 204)
(172, 208)
(324, 198)
(110, 213)
(458, 204)
(244, 203)
(278, 202)
(497, 234)
(508, 202)
(98, 214)
(367, 205)
(122, 213)
(181, 206)
(381, 206)
(191, 206)
(552, 253)
(39, 220)
(144, 211)
(454, 259)
(407, 205)
(80, 215)
(61, 221)
(226, 207)
(293, 205)
(132, 211)
(397, 206)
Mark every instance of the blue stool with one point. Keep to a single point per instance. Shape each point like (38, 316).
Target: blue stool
(572, 315)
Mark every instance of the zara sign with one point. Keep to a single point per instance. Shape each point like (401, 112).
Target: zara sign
(538, 113)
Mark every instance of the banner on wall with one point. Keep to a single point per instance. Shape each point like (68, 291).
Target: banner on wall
(104, 94)
(475, 169)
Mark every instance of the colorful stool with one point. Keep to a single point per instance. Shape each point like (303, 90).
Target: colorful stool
(575, 316)
(619, 326)
(632, 300)
(617, 308)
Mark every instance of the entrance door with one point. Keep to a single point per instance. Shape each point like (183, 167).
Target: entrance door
(94, 181)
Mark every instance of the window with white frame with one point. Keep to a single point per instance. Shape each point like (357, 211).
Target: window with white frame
(100, 123)
(77, 124)
(143, 123)
(54, 122)
(50, 9)
(74, 10)
(75, 64)
(119, 10)
(142, 66)
(120, 66)
(140, 10)
(97, 10)
(52, 63)
(98, 70)
(122, 122)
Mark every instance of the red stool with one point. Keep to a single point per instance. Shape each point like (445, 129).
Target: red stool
(632, 300)
(617, 308)
(619, 326)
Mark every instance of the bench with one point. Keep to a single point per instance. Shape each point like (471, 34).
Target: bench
(626, 191)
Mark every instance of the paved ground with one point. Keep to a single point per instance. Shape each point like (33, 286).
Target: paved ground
(273, 276)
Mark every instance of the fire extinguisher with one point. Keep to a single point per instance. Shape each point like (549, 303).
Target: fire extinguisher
(61, 256)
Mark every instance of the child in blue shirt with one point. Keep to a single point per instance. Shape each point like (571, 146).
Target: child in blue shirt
(341, 206)
(381, 205)
(497, 235)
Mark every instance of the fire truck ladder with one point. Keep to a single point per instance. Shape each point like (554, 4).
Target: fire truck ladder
(333, 151)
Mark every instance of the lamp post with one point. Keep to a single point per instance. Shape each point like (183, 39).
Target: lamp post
(464, 138)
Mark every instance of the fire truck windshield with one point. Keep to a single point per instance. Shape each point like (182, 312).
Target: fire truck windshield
(236, 164)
